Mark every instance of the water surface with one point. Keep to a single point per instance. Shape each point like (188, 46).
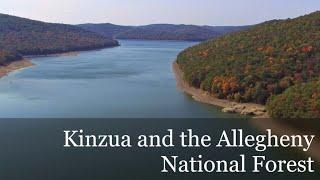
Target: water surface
(132, 80)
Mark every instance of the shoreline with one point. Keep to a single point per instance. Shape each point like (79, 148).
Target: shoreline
(68, 53)
(260, 122)
(71, 53)
(26, 62)
(256, 110)
(14, 66)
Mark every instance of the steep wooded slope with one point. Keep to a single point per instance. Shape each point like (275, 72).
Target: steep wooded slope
(20, 36)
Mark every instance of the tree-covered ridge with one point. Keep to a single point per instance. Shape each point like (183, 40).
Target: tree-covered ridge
(19, 36)
(169, 32)
(106, 29)
(161, 31)
(252, 65)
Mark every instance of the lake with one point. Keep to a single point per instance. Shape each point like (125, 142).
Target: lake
(132, 81)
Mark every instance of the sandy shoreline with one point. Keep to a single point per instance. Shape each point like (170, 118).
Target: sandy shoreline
(72, 53)
(26, 62)
(13, 66)
(205, 97)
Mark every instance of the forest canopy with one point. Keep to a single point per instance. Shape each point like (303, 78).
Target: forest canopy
(19, 36)
(253, 65)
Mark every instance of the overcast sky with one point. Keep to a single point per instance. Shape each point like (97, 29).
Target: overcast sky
(139, 12)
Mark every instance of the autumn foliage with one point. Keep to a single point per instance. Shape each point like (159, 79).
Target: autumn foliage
(253, 65)
(299, 101)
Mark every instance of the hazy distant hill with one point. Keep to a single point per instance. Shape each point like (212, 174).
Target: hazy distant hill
(20, 36)
(263, 61)
(161, 31)
(169, 32)
(106, 29)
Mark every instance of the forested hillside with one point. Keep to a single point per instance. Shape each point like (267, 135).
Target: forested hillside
(19, 36)
(161, 31)
(263, 61)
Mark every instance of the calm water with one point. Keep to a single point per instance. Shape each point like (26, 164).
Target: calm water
(133, 80)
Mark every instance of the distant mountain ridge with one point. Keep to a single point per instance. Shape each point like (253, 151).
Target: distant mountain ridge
(106, 29)
(21, 36)
(161, 31)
